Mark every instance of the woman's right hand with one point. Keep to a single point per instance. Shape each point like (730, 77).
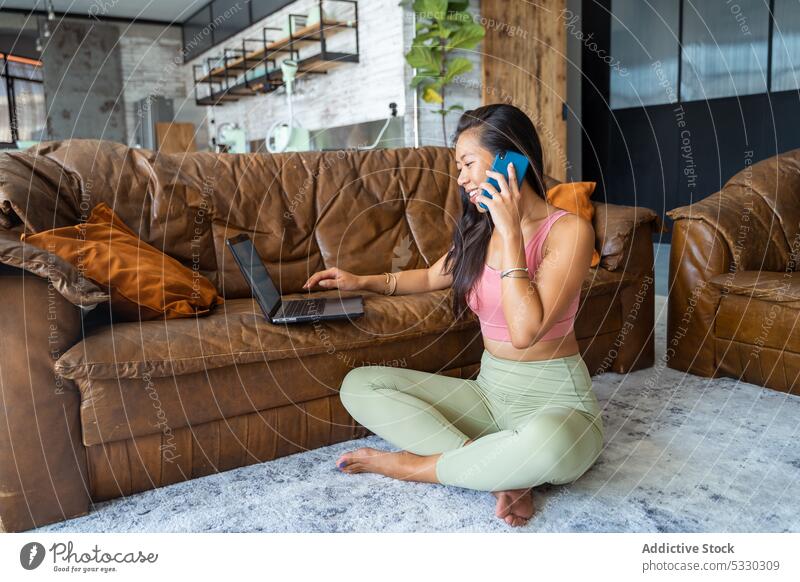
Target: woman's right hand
(334, 278)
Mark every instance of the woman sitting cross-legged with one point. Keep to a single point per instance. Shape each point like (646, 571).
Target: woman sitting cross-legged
(531, 416)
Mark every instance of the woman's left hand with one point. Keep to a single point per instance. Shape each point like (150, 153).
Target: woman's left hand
(505, 204)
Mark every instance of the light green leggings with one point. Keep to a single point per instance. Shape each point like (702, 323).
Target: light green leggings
(533, 422)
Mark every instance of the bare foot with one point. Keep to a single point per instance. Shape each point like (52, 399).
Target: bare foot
(369, 460)
(514, 506)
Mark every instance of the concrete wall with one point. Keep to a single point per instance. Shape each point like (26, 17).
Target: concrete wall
(83, 82)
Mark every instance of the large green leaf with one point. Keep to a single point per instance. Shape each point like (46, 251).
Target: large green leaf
(422, 38)
(450, 25)
(468, 37)
(422, 57)
(455, 67)
(431, 8)
(422, 80)
(461, 17)
(457, 6)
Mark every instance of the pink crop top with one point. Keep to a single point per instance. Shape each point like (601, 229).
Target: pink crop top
(487, 291)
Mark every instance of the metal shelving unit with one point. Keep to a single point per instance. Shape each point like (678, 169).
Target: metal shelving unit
(246, 71)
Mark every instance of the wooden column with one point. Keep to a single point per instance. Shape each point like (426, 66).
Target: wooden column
(525, 64)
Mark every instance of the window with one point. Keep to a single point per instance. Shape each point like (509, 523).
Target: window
(724, 49)
(22, 105)
(644, 42)
(662, 51)
(786, 46)
(5, 115)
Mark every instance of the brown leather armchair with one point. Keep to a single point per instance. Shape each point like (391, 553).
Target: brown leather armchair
(90, 415)
(734, 293)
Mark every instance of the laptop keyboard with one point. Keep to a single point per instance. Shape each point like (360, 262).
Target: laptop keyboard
(305, 307)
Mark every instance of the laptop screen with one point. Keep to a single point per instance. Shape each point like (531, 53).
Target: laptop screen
(260, 282)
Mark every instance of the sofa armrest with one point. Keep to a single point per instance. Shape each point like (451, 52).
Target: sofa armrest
(617, 232)
(43, 473)
(741, 216)
(734, 229)
(698, 253)
(65, 278)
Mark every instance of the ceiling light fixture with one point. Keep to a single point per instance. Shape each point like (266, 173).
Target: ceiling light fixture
(51, 14)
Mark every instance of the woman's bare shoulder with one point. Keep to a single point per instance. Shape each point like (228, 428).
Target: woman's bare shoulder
(570, 229)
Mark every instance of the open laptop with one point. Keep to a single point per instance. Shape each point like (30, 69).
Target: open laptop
(268, 297)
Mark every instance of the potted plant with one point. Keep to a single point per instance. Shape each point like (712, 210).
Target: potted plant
(442, 27)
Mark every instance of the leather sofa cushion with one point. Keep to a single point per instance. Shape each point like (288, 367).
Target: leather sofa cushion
(118, 409)
(780, 287)
(760, 308)
(759, 322)
(237, 333)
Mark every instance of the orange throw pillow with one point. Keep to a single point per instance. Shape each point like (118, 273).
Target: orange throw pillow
(143, 282)
(574, 197)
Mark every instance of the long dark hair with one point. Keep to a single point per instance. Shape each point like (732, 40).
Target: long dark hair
(501, 127)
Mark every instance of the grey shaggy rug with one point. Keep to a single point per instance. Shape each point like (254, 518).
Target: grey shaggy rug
(682, 454)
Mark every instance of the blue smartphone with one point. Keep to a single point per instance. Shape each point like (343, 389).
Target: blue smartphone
(500, 165)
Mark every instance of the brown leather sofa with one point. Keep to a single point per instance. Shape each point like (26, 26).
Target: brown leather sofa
(95, 409)
(734, 290)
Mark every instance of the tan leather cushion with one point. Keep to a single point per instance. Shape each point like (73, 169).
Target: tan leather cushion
(143, 282)
(574, 197)
(761, 308)
(759, 322)
(237, 333)
(114, 409)
(767, 285)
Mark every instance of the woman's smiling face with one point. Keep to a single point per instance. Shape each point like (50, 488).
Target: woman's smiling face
(472, 161)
